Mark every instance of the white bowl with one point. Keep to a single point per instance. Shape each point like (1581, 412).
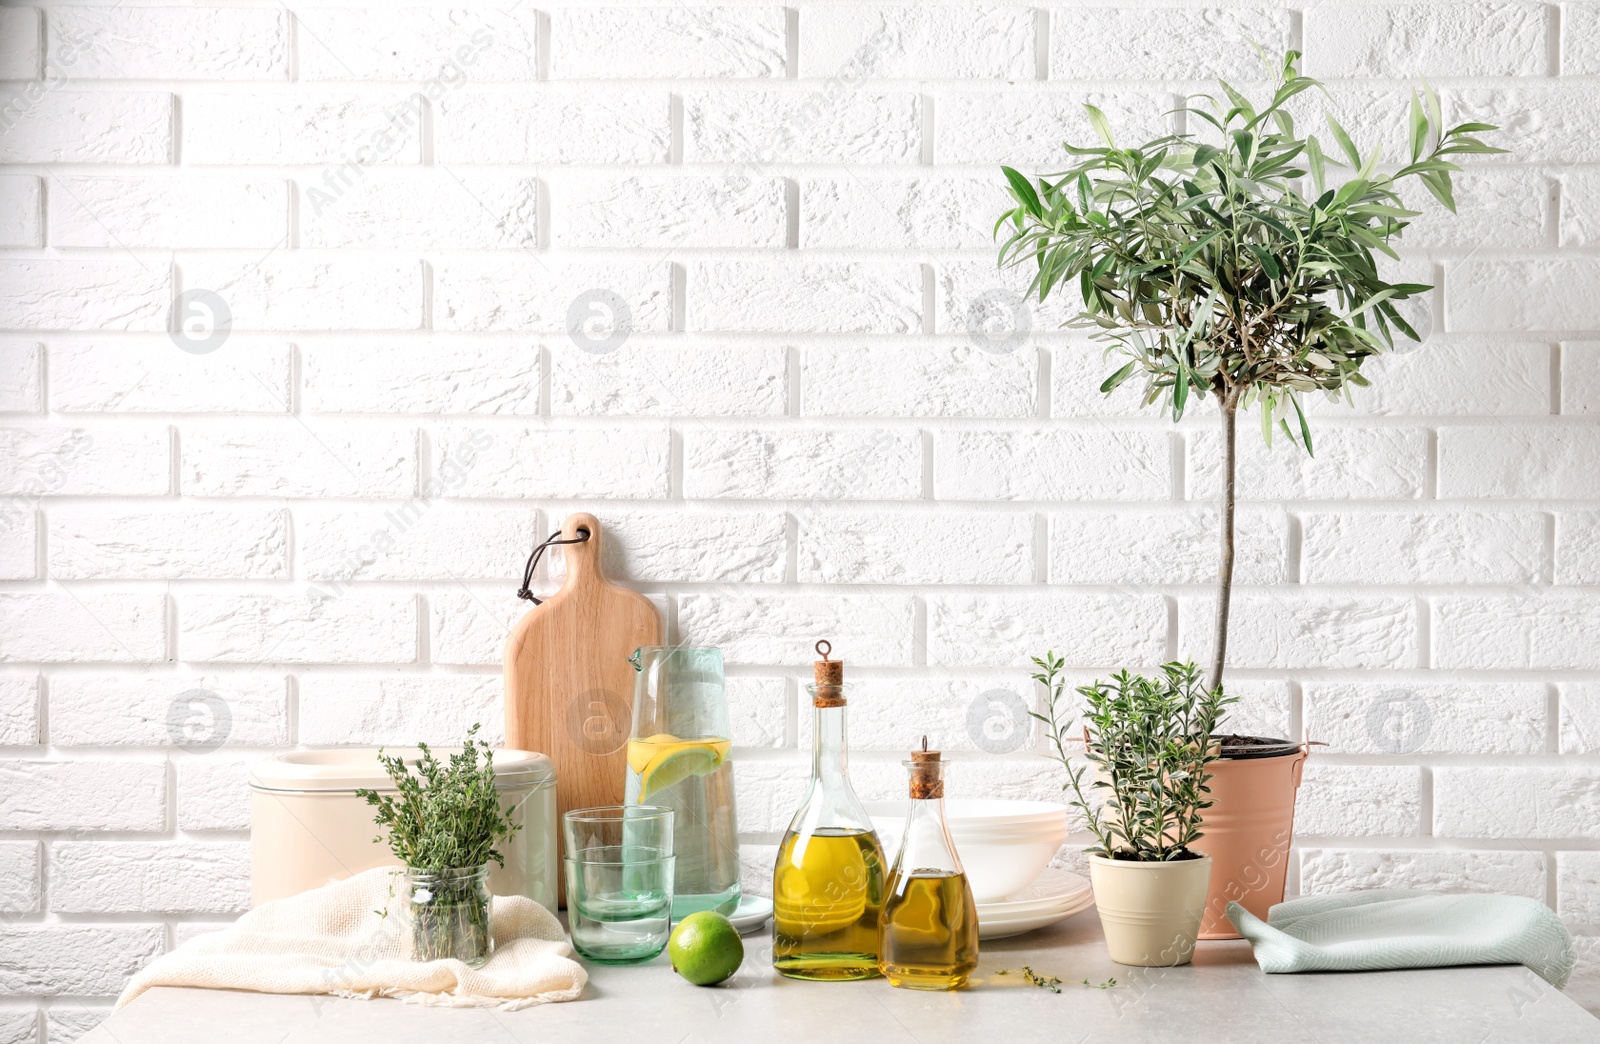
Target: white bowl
(1003, 845)
(1020, 832)
(997, 812)
(985, 815)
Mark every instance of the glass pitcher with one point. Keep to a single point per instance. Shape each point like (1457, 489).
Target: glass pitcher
(678, 759)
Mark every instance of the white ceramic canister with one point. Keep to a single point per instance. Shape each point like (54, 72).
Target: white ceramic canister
(308, 826)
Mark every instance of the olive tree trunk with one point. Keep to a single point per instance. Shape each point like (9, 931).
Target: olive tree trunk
(1230, 410)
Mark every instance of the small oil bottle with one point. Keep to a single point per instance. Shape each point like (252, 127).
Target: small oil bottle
(827, 886)
(928, 935)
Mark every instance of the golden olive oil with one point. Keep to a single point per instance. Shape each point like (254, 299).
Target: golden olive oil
(827, 894)
(930, 931)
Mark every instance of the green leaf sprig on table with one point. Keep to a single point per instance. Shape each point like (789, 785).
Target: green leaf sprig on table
(1053, 982)
(446, 815)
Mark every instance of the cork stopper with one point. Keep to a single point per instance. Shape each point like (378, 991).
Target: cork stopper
(829, 674)
(927, 773)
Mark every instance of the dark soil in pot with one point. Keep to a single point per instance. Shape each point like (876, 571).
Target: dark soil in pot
(1243, 748)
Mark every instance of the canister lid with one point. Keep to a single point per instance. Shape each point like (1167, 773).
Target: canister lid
(353, 768)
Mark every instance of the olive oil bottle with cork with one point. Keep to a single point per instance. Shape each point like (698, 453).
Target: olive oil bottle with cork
(827, 886)
(928, 935)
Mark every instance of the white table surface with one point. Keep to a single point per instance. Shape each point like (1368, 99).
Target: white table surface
(1222, 996)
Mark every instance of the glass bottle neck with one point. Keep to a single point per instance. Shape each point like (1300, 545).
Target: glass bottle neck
(830, 803)
(926, 844)
(828, 745)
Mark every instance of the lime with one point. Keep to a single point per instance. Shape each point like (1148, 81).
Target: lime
(675, 768)
(705, 948)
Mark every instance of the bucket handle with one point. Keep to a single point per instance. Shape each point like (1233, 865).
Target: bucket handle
(1306, 743)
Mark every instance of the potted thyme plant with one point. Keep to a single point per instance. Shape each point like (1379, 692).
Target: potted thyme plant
(443, 823)
(1149, 740)
(1228, 264)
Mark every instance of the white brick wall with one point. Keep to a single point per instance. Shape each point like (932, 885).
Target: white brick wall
(143, 877)
(910, 42)
(716, 271)
(1470, 39)
(147, 376)
(103, 126)
(1186, 43)
(604, 43)
(1453, 870)
(19, 211)
(73, 294)
(19, 54)
(653, 211)
(171, 43)
(1004, 630)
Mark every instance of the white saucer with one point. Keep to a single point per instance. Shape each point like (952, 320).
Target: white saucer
(1005, 928)
(1051, 889)
(752, 912)
(1053, 896)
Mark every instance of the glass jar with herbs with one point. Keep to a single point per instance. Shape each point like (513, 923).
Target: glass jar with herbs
(443, 823)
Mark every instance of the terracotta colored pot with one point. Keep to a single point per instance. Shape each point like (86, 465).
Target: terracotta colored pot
(1247, 830)
(1150, 911)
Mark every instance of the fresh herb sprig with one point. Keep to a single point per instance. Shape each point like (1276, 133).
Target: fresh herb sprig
(1150, 741)
(1053, 982)
(1045, 982)
(446, 816)
(444, 822)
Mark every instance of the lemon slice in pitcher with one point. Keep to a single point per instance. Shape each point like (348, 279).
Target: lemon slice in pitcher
(663, 760)
(641, 751)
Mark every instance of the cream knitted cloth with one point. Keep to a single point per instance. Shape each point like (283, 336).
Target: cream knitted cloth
(337, 939)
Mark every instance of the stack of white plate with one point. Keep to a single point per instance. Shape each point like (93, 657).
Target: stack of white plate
(1006, 848)
(1003, 844)
(1054, 895)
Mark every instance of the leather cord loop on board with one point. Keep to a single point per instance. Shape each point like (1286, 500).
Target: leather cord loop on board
(533, 562)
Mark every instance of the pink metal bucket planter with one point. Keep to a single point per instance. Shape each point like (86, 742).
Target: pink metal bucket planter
(1248, 829)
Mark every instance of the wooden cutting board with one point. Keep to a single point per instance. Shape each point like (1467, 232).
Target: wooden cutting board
(569, 685)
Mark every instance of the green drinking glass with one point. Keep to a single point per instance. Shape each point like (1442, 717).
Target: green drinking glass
(619, 865)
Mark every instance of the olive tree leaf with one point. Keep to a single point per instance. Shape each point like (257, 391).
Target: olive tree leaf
(1110, 383)
(1318, 171)
(1102, 126)
(1024, 192)
(1344, 141)
(1419, 128)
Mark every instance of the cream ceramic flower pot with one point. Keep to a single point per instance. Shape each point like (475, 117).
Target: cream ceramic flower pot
(1150, 911)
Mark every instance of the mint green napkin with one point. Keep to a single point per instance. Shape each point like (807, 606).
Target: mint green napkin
(1395, 928)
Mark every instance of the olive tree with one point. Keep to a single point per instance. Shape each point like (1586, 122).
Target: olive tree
(1228, 263)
